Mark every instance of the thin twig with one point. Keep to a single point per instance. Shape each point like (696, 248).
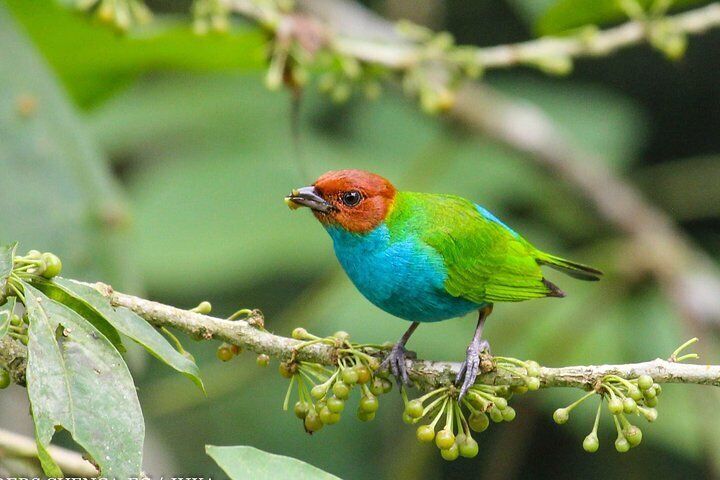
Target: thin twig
(70, 462)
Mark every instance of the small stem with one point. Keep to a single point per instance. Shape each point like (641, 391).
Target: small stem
(289, 391)
(673, 355)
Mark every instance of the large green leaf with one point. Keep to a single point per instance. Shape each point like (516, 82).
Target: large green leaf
(567, 14)
(95, 307)
(76, 379)
(57, 191)
(102, 61)
(241, 463)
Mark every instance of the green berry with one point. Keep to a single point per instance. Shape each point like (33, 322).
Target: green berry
(341, 390)
(327, 417)
(645, 382)
(496, 415)
(387, 385)
(444, 439)
(533, 383)
(365, 416)
(414, 409)
(376, 387)
(53, 265)
(633, 435)
(203, 307)
(508, 414)
(341, 335)
(374, 364)
(651, 402)
(4, 379)
(650, 414)
(561, 415)
(34, 255)
(312, 421)
(369, 404)
(301, 409)
(532, 368)
(350, 376)
(224, 353)
(649, 393)
(657, 388)
(622, 445)
(407, 418)
(335, 405)
(635, 393)
(363, 373)
(425, 433)
(615, 406)
(299, 333)
(500, 403)
(285, 370)
(629, 405)
(451, 453)
(318, 391)
(262, 360)
(479, 422)
(468, 448)
(591, 443)
(519, 389)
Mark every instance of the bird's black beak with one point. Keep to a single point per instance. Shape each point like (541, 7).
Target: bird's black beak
(308, 197)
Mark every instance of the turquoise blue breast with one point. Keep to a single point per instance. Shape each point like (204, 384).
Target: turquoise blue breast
(403, 277)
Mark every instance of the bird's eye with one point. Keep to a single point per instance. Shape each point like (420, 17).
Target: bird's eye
(351, 198)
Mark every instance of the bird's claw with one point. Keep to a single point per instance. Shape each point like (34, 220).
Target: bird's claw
(395, 361)
(470, 368)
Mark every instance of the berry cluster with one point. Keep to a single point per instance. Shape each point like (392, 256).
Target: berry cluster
(34, 265)
(638, 396)
(625, 397)
(322, 392)
(483, 403)
(30, 267)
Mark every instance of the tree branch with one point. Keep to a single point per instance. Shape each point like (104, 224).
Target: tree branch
(427, 374)
(356, 34)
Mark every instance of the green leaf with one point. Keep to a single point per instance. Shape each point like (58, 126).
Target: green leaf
(242, 462)
(77, 379)
(96, 308)
(74, 208)
(101, 323)
(567, 14)
(103, 61)
(5, 314)
(49, 466)
(7, 254)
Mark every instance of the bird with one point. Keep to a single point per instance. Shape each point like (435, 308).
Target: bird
(425, 257)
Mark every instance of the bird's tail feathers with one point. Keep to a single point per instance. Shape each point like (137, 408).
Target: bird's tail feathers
(575, 270)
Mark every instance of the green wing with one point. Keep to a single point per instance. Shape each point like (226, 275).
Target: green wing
(486, 262)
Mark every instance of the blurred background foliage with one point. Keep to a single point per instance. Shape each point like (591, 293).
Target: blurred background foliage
(157, 162)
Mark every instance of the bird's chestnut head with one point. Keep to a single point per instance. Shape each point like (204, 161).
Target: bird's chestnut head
(355, 200)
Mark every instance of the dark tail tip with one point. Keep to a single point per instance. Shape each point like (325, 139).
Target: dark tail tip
(554, 289)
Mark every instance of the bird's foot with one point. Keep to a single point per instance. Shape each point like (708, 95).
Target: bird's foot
(470, 368)
(395, 361)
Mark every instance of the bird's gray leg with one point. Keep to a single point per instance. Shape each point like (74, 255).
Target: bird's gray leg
(471, 366)
(395, 360)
